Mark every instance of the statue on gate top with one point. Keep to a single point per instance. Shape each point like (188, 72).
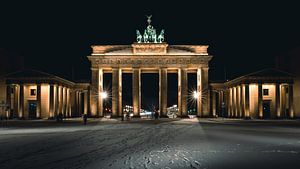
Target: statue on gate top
(149, 35)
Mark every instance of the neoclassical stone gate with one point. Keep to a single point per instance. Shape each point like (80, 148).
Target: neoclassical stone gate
(149, 58)
(149, 55)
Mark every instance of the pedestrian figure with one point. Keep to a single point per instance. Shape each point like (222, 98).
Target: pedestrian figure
(57, 118)
(60, 117)
(84, 119)
(128, 116)
(223, 107)
(123, 116)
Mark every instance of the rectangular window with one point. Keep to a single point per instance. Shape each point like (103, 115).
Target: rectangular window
(32, 92)
(266, 92)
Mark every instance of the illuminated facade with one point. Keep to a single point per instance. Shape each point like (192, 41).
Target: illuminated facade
(31, 94)
(150, 54)
(141, 58)
(264, 94)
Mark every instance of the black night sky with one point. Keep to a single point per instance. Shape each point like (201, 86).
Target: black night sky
(55, 37)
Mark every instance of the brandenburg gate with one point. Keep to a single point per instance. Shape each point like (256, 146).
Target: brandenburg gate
(149, 54)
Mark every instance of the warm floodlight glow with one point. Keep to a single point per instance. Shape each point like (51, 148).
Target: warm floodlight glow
(103, 95)
(195, 95)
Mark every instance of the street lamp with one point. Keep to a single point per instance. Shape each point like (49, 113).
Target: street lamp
(104, 95)
(195, 94)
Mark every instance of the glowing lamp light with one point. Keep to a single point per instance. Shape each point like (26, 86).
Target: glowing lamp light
(103, 95)
(195, 95)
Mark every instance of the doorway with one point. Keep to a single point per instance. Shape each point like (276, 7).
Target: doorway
(266, 109)
(150, 94)
(32, 110)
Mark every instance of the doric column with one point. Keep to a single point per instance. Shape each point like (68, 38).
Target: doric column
(236, 92)
(219, 107)
(247, 101)
(184, 92)
(136, 91)
(62, 102)
(179, 92)
(21, 101)
(95, 93)
(39, 101)
(229, 102)
(73, 102)
(56, 100)
(85, 110)
(277, 100)
(8, 100)
(232, 102)
(291, 101)
(100, 90)
(79, 104)
(239, 106)
(283, 101)
(16, 100)
(199, 91)
(60, 99)
(65, 101)
(69, 103)
(52, 108)
(260, 101)
(89, 102)
(115, 92)
(96, 100)
(163, 90)
(242, 112)
(205, 92)
(214, 109)
(120, 110)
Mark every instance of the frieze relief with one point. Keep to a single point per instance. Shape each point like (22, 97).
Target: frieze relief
(149, 61)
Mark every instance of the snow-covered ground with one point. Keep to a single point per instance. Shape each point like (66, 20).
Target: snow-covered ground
(150, 144)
